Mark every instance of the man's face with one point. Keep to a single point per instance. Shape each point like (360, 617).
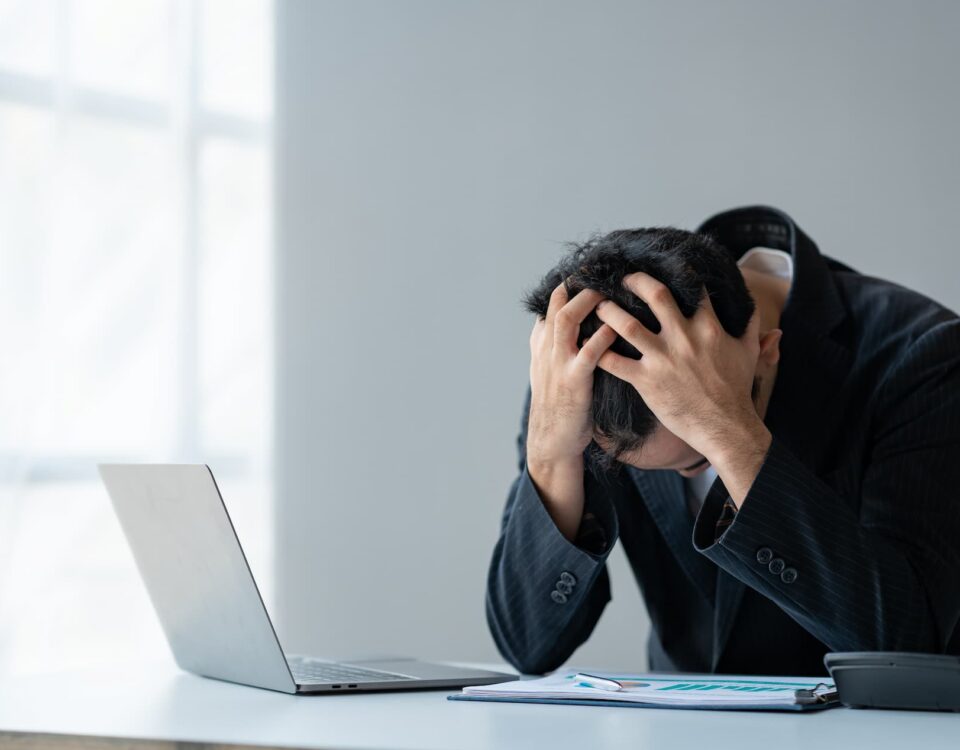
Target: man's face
(662, 450)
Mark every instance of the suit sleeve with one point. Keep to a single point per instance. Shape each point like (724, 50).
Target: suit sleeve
(544, 593)
(880, 573)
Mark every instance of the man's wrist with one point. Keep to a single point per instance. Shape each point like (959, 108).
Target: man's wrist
(560, 486)
(549, 461)
(738, 440)
(544, 469)
(739, 457)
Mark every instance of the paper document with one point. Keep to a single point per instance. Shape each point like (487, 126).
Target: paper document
(663, 690)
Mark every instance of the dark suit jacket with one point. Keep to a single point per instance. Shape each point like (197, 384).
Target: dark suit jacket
(859, 495)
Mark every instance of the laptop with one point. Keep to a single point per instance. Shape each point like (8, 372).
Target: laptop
(208, 604)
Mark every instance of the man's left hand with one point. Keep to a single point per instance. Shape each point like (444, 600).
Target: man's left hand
(696, 379)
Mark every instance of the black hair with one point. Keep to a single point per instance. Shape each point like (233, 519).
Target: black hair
(685, 262)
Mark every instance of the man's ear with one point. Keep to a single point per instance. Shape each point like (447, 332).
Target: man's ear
(770, 346)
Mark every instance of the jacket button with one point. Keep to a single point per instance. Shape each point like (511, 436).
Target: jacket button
(789, 575)
(764, 555)
(558, 597)
(776, 566)
(568, 578)
(564, 588)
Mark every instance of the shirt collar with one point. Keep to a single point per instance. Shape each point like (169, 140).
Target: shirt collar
(814, 302)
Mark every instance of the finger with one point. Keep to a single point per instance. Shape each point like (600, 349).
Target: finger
(536, 334)
(631, 329)
(594, 347)
(558, 298)
(706, 304)
(706, 316)
(619, 366)
(657, 296)
(566, 324)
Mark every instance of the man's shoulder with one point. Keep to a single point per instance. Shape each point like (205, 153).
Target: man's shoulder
(884, 321)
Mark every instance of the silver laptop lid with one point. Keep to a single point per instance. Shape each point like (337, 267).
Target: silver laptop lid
(196, 573)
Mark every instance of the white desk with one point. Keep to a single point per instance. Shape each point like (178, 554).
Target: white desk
(167, 706)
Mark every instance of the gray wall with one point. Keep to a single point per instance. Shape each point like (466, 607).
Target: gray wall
(432, 156)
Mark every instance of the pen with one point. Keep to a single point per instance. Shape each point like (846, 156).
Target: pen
(608, 683)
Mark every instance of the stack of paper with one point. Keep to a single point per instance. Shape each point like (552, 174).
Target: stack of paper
(663, 690)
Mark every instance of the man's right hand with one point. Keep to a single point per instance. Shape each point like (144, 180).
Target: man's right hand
(560, 424)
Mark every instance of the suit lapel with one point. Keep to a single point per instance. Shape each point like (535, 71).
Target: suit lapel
(663, 493)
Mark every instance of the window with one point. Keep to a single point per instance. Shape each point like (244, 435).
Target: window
(135, 279)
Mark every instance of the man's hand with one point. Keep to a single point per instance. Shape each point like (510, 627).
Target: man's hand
(561, 382)
(561, 378)
(695, 378)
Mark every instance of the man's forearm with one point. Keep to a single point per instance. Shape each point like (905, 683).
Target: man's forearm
(740, 455)
(560, 486)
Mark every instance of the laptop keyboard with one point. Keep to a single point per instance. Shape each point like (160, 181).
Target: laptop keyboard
(307, 671)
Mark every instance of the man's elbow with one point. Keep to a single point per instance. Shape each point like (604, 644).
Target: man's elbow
(525, 656)
(525, 664)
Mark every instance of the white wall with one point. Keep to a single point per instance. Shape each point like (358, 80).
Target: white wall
(432, 156)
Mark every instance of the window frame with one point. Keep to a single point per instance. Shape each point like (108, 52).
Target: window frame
(190, 124)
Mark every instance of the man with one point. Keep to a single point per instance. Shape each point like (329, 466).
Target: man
(774, 438)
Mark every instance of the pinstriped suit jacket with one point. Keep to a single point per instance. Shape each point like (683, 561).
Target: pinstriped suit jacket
(859, 495)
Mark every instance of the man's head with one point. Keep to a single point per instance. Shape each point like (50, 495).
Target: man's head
(685, 262)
